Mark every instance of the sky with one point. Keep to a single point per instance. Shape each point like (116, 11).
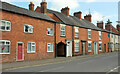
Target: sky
(101, 10)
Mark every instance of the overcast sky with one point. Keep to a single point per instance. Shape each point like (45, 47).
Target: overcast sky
(101, 10)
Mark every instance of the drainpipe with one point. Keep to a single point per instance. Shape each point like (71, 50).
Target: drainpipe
(73, 39)
(55, 40)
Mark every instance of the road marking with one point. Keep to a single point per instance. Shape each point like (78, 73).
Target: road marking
(52, 69)
(113, 69)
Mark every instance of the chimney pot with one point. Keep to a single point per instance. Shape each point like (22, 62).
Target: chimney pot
(100, 24)
(31, 6)
(88, 17)
(65, 11)
(78, 15)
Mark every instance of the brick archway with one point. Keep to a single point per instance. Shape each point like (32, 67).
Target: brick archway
(61, 49)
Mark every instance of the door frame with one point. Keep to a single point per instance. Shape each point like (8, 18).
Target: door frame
(68, 40)
(96, 48)
(17, 52)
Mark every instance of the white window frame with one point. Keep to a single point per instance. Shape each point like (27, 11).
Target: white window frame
(61, 25)
(31, 47)
(100, 35)
(6, 44)
(28, 28)
(77, 41)
(89, 30)
(51, 47)
(77, 32)
(89, 42)
(51, 32)
(5, 25)
(100, 46)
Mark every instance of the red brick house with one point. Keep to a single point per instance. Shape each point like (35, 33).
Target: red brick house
(42, 33)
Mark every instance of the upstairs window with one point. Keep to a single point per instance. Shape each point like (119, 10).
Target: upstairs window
(50, 47)
(62, 30)
(99, 35)
(4, 47)
(49, 31)
(31, 47)
(28, 28)
(76, 46)
(76, 32)
(89, 33)
(5, 25)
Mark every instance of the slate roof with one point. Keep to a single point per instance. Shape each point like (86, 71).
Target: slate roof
(71, 20)
(15, 9)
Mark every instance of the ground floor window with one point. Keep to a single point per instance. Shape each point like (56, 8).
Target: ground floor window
(50, 47)
(76, 46)
(4, 47)
(31, 47)
(100, 46)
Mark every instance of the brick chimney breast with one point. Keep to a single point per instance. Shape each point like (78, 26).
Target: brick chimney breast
(100, 24)
(65, 11)
(78, 15)
(31, 6)
(43, 6)
(88, 17)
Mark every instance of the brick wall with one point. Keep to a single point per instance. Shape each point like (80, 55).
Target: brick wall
(17, 35)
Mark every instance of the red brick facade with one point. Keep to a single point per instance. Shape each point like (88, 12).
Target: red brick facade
(17, 34)
(41, 38)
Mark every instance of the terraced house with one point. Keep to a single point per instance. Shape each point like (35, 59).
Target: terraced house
(42, 33)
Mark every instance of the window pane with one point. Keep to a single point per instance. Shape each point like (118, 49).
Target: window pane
(76, 30)
(33, 48)
(29, 47)
(3, 25)
(26, 28)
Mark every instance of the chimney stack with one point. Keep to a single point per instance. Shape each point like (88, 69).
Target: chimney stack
(100, 24)
(31, 6)
(65, 11)
(88, 17)
(118, 27)
(78, 15)
(43, 6)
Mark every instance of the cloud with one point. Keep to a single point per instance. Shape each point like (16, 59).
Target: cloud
(58, 4)
(90, 0)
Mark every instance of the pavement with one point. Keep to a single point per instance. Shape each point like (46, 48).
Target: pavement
(105, 62)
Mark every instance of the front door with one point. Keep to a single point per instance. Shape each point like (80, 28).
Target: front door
(104, 47)
(19, 51)
(83, 48)
(69, 48)
(95, 47)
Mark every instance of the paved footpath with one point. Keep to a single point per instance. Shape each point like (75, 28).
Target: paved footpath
(28, 64)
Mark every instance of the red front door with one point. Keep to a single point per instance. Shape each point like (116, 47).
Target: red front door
(20, 52)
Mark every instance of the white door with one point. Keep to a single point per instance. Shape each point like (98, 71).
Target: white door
(69, 48)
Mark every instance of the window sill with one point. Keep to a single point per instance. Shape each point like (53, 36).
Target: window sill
(89, 38)
(28, 32)
(5, 53)
(89, 51)
(49, 35)
(30, 52)
(49, 51)
(62, 36)
(5, 30)
(77, 52)
(100, 50)
(76, 37)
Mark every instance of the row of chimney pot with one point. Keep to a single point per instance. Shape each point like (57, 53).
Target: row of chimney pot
(65, 11)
